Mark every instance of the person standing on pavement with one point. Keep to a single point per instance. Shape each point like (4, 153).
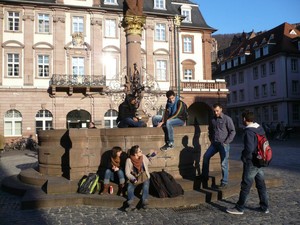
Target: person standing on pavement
(174, 115)
(137, 172)
(221, 132)
(251, 172)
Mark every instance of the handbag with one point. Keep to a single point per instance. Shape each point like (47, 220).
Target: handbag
(140, 178)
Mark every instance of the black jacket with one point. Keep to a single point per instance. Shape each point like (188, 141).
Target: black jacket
(126, 109)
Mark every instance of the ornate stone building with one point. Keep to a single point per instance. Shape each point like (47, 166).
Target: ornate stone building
(64, 62)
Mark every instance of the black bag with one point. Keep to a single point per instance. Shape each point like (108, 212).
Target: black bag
(163, 184)
(88, 184)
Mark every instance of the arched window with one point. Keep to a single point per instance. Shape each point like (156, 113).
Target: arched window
(110, 118)
(13, 123)
(43, 120)
(78, 118)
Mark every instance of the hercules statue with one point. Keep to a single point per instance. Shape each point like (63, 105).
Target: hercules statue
(134, 7)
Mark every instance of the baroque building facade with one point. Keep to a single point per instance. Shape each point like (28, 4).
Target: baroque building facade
(63, 62)
(262, 74)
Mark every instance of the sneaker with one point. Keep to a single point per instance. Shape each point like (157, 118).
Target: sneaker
(222, 186)
(145, 205)
(235, 211)
(167, 147)
(266, 211)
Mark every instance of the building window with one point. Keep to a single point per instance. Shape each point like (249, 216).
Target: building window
(274, 110)
(236, 61)
(43, 65)
(110, 118)
(13, 21)
(161, 70)
(263, 70)
(228, 63)
(187, 14)
(227, 79)
(264, 90)
(78, 24)
(272, 67)
(160, 32)
(233, 79)
(256, 92)
(188, 74)
(188, 44)
(241, 95)
(43, 120)
(110, 28)
(243, 59)
(257, 53)
(241, 77)
(159, 4)
(295, 87)
(296, 112)
(273, 88)
(13, 123)
(265, 110)
(111, 67)
(266, 50)
(294, 65)
(44, 23)
(223, 66)
(77, 66)
(13, 65)
(234, 97)
(257, 114)
(110, 2)
(255, 73)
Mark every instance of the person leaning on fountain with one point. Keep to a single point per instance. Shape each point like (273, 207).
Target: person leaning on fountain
(127, 113)
(174, 115)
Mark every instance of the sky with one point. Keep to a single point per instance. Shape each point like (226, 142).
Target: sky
(236, 16)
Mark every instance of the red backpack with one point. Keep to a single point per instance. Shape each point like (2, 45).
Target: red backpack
(263, 154)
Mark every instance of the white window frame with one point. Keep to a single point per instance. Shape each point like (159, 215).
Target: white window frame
(188, 74)
(43, 23)
(13, 21)
(77, 24)
(12, 123)
(161, 70)
(187, 44)
(110, 2)
(43, 65)
(110, 28)
(187, 14)
(13, 63)
(46, 117)
(111, 117)
(160, 32)
(78, 67)
(159, 4)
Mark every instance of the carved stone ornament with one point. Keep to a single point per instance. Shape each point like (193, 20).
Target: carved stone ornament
(134, 24)
(77, 39)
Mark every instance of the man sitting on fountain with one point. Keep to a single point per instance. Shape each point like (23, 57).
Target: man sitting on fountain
(127, 113)
(174, 115)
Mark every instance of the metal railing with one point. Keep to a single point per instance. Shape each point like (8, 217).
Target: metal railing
(77, 80)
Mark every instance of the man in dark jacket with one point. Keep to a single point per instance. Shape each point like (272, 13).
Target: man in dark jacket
(250, 171)
(221, 132)
(127, 113)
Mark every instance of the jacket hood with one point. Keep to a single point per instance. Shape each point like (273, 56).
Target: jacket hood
(256, 128)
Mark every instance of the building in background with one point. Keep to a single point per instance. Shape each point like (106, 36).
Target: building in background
(263, 75)
(63, 62)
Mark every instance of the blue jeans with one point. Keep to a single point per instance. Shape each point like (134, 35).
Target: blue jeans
(224, 155)
(251, 173)
(130, 191)
(129, 122)
(168, 127)
(109, 175)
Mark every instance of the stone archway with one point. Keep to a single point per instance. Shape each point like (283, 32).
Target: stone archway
(78, 119)
(199, 114)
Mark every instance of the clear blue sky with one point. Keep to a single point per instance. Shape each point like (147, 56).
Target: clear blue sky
(236, 16)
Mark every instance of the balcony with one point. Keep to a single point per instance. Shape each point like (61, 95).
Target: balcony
(218, 85)
(76, 83)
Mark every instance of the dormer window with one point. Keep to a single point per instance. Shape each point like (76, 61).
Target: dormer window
(263, 41)
(257, 53)
(110, 2)
(254, 45)
(159, 4)
(236, 61)
(266, 50)
(186, 12)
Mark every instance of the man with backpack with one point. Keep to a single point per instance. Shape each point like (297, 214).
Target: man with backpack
(251, 171)
(175, 114)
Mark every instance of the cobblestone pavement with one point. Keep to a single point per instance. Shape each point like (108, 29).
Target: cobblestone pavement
(284, 201)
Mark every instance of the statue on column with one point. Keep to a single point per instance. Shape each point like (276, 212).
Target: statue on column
(134, 7)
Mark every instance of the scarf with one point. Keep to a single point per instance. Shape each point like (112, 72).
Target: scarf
(137, 163)
(115, 161)
(172, 107)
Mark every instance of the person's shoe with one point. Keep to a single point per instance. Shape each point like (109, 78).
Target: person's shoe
(222, 186)
(130, 207)
(167, 147)
(235, 211)
(145, 205)
(266, 211)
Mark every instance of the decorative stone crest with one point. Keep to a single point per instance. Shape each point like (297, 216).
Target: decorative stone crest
(77, 39)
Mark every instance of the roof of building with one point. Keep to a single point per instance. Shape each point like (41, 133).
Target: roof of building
(173, 7)
(283, 38)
